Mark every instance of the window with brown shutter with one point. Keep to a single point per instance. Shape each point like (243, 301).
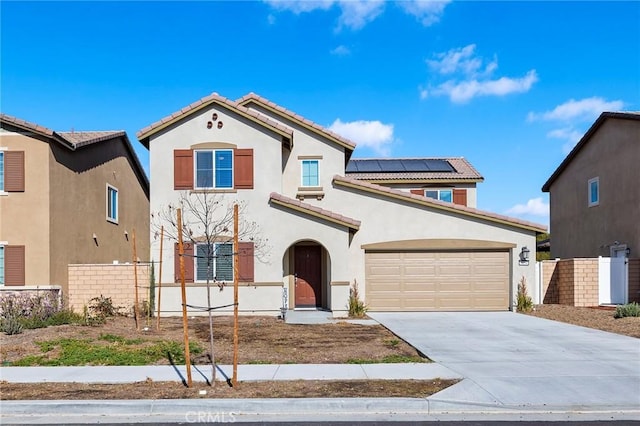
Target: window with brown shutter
(182, 169)
(418, 192)
(14, 265)
(245, 262)
(460, 197)
(243, 168)
(14, 171)
(188, 263)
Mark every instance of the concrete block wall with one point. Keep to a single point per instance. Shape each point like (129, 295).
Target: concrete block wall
(570, 282)
(116, 281)
(550, 278)
(585, 282)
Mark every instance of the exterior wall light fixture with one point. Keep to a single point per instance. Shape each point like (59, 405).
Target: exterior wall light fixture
(524, 256)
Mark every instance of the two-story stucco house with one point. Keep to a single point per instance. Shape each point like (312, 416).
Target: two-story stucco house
(66, 198)
(595, 192)
(329, 226)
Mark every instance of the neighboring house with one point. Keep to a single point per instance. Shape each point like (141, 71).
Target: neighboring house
(446, 179)
(327, 229)
(67, 198)
(595, 192)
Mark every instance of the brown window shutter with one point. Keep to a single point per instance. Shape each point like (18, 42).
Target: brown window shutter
(182, 169)
(460, 197)
(188, 263)
(243, 168)
(14, 265)
(245, 262)
(418, 192)
(14, 171)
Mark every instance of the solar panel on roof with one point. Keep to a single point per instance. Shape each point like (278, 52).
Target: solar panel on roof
(392, 166)
(412, 165)
(369, 166)
(352, 167)
(439, 165)
(415, 165)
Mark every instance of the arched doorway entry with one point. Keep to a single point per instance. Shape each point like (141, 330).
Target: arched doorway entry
(306, 263)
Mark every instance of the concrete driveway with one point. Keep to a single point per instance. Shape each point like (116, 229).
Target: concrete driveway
(514, 361)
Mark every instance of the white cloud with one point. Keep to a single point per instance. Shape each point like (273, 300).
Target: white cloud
(271, 19)
(586, 109)
(472, 76)
(341, 50)
(299, 7)
(358, 13)
(428, 12)
(371, 134)
(534, 207)
(464, 91)
(570, 135)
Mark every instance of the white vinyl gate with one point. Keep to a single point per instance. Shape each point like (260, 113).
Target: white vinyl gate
(613, 280)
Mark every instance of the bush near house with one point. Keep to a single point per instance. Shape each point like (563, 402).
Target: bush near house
(628, 310)
(28, 310)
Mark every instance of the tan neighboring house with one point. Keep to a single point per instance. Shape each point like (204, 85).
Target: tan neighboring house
(595, 192)
(67, 198)
(327, 226)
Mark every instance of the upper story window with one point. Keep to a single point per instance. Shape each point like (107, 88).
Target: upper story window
(11, 171)
(310, 173)
(594, 191)
(214, 169)
(220, 267)
(439, 194)
(112, 204)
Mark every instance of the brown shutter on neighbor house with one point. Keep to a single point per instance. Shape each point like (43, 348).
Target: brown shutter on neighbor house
(14, 265)
(188, 263)
(182, 169)
(243, 168)
(418, 192)
(14, 171)
(460, 197)
(245, 262)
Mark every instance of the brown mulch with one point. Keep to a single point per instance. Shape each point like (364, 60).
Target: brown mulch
(262, 340)
(596, 317)
(175, 390)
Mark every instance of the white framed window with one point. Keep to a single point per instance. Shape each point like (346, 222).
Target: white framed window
(112, 204)
(593, 187)
(1, 264)
(310, 173)
(213, 169)
(220, 257)
(440, 194)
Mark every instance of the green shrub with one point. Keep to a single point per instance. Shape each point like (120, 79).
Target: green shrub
(628, 310)
(10, 325)
(102, 306)
(524, 302)
(357, 308)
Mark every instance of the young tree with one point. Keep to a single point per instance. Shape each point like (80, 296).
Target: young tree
(208, 225)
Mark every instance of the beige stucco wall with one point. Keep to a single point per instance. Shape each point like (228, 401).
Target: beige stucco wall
(78, 208)
(577, 230)
(24, 216)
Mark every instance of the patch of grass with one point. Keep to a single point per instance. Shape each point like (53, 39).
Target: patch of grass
(392, 343)
(628, 310)
(77, 352)
(259, 362)
(389, 359)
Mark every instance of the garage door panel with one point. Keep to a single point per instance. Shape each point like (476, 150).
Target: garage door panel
(424, 281)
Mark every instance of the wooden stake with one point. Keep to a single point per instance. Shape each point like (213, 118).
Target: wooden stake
(160, 278)
(136, 310)
(185, 325)
(236, 264)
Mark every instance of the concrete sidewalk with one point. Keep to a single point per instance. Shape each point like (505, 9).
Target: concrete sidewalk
(246, 373)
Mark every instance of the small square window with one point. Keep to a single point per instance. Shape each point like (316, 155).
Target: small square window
(594, 191)
(439, 194)
(112, 204)
(310, 173)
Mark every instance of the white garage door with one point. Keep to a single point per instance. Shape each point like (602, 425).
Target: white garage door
(437, 281)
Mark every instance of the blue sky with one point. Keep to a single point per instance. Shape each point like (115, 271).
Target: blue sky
(511, 86)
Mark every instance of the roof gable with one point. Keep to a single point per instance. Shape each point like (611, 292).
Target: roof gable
(623, 115)
(77, 140)
(145, 134)
(290, 115)
(441, 205)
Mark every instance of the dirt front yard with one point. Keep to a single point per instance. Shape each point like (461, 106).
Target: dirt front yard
(598, 318)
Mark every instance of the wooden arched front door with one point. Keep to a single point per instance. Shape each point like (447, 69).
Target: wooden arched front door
(308, 276)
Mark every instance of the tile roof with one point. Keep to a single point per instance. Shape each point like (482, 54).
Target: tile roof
(463, 171)
(252, 97)
(75, 140)
(314, 211)
(144, 134)
(421, 200)
(624, 115)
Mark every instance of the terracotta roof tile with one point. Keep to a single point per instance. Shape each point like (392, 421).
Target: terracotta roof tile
(316, 211)
(463, 171)
(213, 98)
(79, 139)
(252, 97)
(367, 186)
(26, 124)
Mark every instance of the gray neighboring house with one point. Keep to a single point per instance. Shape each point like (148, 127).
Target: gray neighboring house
(595, 192)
